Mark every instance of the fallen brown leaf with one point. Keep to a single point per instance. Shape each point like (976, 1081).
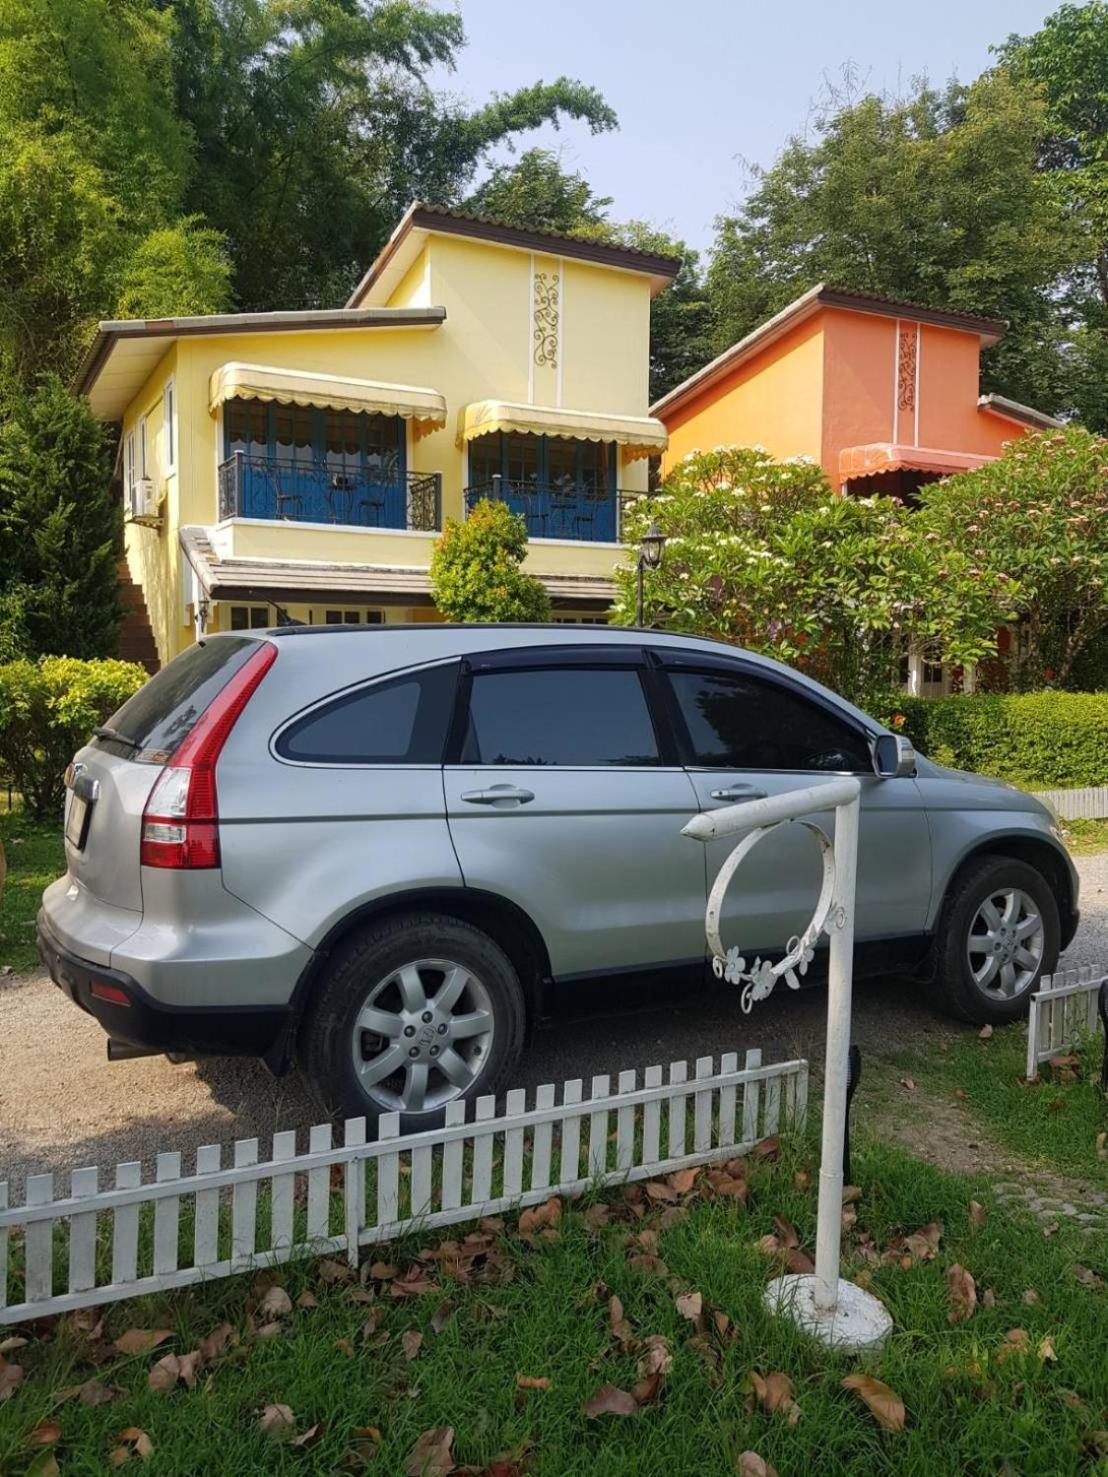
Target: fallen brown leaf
(276, 1303)
(750, 1464)
(851, 1193)
(138, 1441)
(539, 1217)
(618, 1325)
(329, 1270)
(786, 1232)
(984, 1033)
(11, 1376)
(988, 1298)
(597, 1216)
(799, 1262)
(532, 1382)
(769, 1148)
(909, 1083)
(92, 1392)
(308, 1437)
(432, 1455)
(44, 1465)
(924, 1243)
(656, 1357)
(441, 1316)
(683, 1180)
(774, 1391)
(768, 1245)
(690, 1305)
(344, 1346)
(977, 1213)
(1032, 1298)
(1016, 1341)
(141, 1340)
(44, 1434)
(885, 1405)
(962, 1292)
(16, 1341)
(610, 1401)
(646, 1263)
(382, 1271)
(277, 1421)
(214, 1344)
(1046, 1350)
(647, 1389)
(411, 1341)
(308, 1300)
(659, 1190)
(1087, 1277)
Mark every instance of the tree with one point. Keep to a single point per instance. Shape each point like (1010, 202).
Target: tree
(1067, 61)
(59, 523)
(937, 199)
(476, 572)
(538, 193)
(180, 270)
(762, 554)
(1038, 517)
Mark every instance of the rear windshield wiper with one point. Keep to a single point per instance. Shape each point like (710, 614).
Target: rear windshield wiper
(105, 732)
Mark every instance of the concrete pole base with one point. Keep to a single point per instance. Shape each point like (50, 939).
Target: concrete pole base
(859, 1322)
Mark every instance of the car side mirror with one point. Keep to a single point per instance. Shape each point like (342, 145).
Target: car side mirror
(895, 757)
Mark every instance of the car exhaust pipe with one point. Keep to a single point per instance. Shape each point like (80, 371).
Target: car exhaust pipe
(123, 1051)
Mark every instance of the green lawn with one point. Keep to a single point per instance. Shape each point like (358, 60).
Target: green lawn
(36, 856)
(1084, 838)
(541, 1310)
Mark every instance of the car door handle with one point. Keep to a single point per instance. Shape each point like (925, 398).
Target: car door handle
(498, 795)
(738, 793)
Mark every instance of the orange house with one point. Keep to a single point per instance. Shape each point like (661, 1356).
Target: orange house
(884, 395)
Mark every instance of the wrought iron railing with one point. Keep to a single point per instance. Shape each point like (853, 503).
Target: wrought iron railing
(558, 510)
(284, 489)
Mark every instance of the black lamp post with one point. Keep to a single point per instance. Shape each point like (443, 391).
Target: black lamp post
(650, 556)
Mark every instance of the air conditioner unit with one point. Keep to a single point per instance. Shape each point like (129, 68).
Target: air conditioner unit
(143, 499)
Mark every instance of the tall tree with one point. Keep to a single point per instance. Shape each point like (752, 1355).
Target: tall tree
(1067, 60)
(536, 191)
(936, 198)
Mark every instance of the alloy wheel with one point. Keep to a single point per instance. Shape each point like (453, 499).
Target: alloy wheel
(1006, 943)
(422, 1035)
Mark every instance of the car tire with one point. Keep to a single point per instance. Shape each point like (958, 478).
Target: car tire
(374, 980)
(990, 953)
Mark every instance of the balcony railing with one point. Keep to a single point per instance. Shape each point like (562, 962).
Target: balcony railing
(287, 490)
(594, 515)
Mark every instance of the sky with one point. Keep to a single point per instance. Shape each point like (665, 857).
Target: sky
(703, 87)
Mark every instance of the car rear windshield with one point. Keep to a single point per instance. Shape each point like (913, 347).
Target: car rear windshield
(151, 725)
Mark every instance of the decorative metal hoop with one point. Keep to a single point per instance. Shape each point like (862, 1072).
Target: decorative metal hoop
(763, 976)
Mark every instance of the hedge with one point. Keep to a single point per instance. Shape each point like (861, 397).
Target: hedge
(1040, 740)
(48, 710)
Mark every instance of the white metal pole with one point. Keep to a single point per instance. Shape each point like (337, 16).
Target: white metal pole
(840, 972)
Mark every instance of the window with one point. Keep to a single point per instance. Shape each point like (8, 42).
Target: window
(354, 617)
(161, 715)
(250, 617)
(401, 721)
(560, 464)
(130, 461)
(584, 716)
(142, 447)
(169, 425)
(737, 721)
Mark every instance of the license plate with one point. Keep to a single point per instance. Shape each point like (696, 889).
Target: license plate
(76, 825)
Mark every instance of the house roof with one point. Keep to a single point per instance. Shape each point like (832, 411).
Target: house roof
(1025, 415)
(125, 352)
(316, 581)
(989, 330)
(420, 220)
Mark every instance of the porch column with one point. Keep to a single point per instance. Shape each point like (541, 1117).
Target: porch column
(969, 678)
(915, 671)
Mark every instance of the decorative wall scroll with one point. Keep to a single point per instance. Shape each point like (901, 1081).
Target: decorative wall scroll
(906, 369)
(546, 319)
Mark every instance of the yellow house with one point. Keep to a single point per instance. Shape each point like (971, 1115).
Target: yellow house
(300, 464)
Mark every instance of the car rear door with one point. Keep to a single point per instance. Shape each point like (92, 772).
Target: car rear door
(564, 795)
(745, 733)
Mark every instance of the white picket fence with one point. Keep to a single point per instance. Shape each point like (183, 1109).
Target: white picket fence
(96, 1245)
(1087, 804)
(1062, 1009)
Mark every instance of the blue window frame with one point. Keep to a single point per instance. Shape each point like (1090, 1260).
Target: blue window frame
(318, 465)
(565, 488)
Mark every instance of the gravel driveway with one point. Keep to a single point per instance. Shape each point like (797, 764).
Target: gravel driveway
(62, 1105)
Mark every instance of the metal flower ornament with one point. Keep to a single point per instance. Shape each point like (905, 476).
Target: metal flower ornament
(760, 979)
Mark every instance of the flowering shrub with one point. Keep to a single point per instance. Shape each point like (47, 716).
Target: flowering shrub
(762, 553)
(476, 572)
(1037, 517)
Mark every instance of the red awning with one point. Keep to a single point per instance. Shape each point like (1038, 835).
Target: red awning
(887, 456)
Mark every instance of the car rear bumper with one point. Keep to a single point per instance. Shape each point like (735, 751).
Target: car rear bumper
(128, 1014)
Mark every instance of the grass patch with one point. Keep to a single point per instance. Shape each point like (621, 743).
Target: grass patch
(1053, 1122)
(36, 856)
(544, 1314)
(1086, 838)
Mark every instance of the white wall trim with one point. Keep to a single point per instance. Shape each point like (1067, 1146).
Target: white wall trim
(561, 330)
(915, 396)
(896, 381)
(530, 321)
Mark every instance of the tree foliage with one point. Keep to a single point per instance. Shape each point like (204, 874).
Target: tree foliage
(762, 554)
(476, 569)
(59, 522)
(1037, 516)
(936, 198)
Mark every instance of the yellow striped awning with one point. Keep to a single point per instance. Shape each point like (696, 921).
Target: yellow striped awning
(333, 392)
(639, 435)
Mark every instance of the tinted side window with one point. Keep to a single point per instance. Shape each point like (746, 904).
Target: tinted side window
(401, 721)
(581, 716)
(741, 722)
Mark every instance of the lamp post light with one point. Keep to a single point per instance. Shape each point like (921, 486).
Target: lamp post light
(650, 556)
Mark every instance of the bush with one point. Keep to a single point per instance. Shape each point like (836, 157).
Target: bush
(48, 710)
(1039, 740)
(476, 573)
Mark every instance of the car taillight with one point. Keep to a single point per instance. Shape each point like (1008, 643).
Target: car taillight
(180, 824)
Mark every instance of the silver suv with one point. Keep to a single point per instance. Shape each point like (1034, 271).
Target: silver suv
(377, 852)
